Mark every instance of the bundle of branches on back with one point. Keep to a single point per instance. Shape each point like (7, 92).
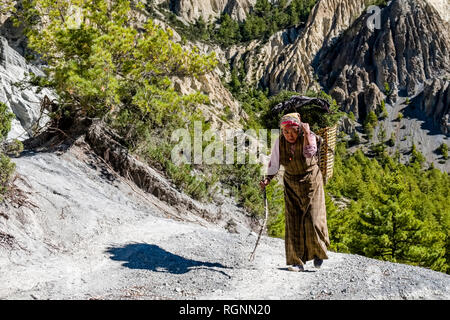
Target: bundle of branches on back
(317, 109)
(321, 112)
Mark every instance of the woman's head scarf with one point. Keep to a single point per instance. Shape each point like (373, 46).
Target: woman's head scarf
(290, 120)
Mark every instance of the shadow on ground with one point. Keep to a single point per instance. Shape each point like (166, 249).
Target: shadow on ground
(152, 257)
(287, 269)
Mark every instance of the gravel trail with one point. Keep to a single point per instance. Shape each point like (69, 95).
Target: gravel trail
(86, 235)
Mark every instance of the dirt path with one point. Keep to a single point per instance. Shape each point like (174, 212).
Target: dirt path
(93, 237)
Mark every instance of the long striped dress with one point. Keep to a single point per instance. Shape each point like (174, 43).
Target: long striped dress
(306, 233)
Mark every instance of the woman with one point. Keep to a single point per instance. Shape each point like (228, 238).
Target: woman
(306, 233)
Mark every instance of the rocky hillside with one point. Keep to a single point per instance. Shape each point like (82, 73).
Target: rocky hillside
(403, 54)
(334, 50)
(354, 66)
(442, 7)
(192, 10)
(284, 61)
(23, 102)
(405, 63)
(337, 51)
(434, 102)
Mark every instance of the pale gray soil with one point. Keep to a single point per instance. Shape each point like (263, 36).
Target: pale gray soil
(414, 128)
(86, 234)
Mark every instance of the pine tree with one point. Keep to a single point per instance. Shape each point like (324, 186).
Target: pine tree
(111, 65)
(443, 149)
(388, 229)
(262, 8)
(228, 32)
(398, 212)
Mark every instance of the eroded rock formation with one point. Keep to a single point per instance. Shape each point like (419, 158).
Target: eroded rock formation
(434, 102)
(23, 102)
(409, 48)
(191, 10)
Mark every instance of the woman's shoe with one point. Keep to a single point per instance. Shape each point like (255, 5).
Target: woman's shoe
(318, 263)
(296, 268)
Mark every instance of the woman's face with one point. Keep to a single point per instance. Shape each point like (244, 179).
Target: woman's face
(290, 134)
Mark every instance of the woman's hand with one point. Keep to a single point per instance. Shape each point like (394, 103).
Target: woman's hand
(305, 128)
(263, 183)
(308, 138)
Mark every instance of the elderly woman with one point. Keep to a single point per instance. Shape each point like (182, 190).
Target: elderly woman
(306, 232)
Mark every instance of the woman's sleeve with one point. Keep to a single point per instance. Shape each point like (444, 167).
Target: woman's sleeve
(274, 163)
(309, 150)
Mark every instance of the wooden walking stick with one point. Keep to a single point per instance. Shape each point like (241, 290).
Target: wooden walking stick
(266, 209)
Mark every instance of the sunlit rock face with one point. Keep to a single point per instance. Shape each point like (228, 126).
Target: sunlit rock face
(408, 49)
(192, 10)
(23, 102)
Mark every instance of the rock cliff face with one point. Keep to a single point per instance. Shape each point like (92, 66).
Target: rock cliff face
(24, 103)
(191, 10)
(434, 102)
(409, 48)
(257, 55)
(338, 51)
(292, 67)
(352, 61)
(284, 62)
(442, 7)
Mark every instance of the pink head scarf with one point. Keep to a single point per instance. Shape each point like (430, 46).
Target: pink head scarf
(290, 120)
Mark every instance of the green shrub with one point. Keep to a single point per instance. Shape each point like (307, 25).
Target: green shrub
(6, 172)
(387, 88)
(391, 141)
(275, 200)
(417, 156)
(14, 148)
(381, 134)
(5, 120)
(6, 166)
(383, 112)
(368, 130)
(443, 149)
(351, 116)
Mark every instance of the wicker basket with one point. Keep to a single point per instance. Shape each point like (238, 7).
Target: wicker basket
(326, 151)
